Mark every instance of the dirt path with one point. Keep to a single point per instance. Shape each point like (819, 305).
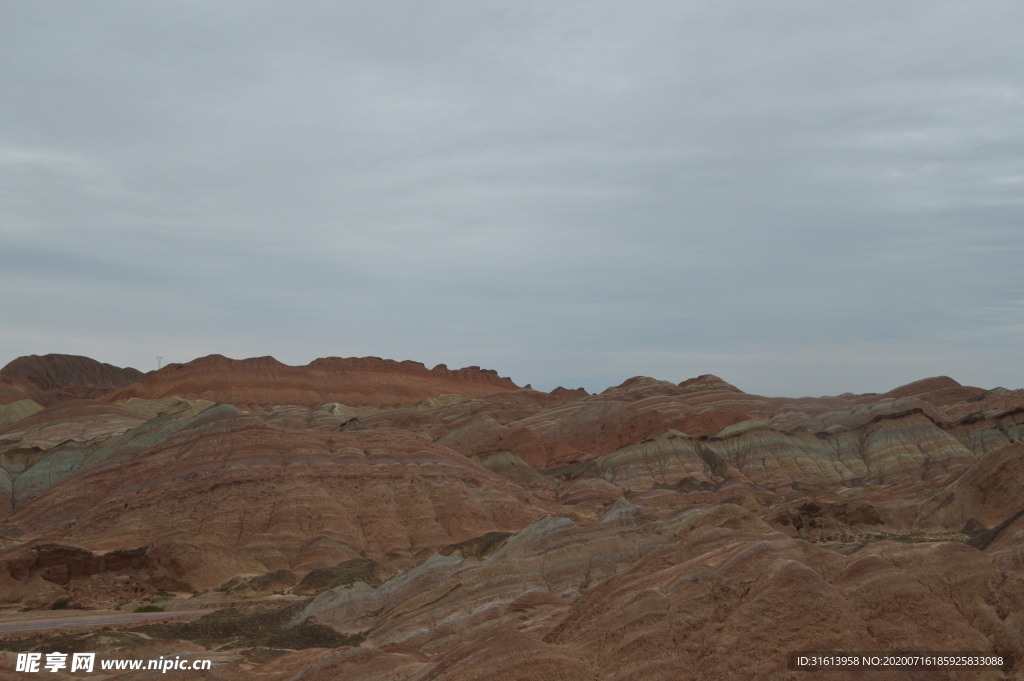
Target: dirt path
(95, 620)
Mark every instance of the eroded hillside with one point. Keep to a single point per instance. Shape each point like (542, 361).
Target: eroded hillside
(653, 531)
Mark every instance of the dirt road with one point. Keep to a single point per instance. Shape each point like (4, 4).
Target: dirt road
(94, 620)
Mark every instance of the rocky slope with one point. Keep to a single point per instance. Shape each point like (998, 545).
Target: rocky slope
(38, 451)
(653, 531)
(222, 493)
(702, 595)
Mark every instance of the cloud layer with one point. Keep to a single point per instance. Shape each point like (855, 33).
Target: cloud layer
(804, 198)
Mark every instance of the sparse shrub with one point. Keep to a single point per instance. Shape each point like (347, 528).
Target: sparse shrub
(149, 608)
(61, 604)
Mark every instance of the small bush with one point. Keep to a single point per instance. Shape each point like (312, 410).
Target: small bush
(61, 604)
(149, 608)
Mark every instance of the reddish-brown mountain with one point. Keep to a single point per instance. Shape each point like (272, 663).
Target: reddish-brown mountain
(51, 378)
(657, 530)
(355, 381)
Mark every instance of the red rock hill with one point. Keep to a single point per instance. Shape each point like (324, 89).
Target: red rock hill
(47, 379)
(355, 381)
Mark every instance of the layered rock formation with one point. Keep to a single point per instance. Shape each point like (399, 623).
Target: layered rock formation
(223, 493)
(403, 524)
(48, 379)
(646, 434)
(38, 451)
(263, 382)
(704, 594)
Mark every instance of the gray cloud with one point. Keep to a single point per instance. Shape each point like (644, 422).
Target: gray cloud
(803, 198)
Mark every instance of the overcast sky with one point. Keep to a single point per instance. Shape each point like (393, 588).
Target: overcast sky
(804, 198)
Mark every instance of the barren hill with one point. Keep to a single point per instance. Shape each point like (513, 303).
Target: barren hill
(356, 381)
(50, 378)
(654, 531)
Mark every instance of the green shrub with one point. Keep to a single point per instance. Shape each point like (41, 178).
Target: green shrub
(149, 608)
(61, 604)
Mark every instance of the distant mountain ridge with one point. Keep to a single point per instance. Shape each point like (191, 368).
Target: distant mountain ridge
(261, 382)
(47, 379)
